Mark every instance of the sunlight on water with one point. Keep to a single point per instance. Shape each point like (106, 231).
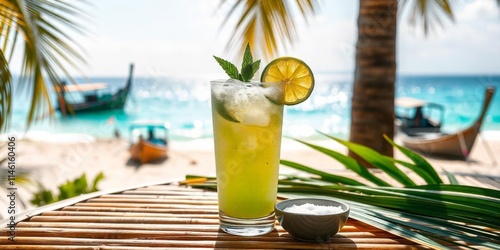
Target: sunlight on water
(185, 104)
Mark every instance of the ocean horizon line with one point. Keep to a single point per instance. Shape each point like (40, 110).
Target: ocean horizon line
(322, 72)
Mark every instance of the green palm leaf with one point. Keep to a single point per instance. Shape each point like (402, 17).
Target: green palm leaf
(48, 50)
(5, 92)
(462, 189)
(419, 223)
(323, 175)
(428, 13)
(485, 203)
(451, 177)
(421, 166)
(436, 215)
(374, 158)
(266, 25)
(444, 213)
(23, 179)
(348, 163)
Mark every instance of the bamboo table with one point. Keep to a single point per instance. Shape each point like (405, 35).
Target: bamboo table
(163, 216)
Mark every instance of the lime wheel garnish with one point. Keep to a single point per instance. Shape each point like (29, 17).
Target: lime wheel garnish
(297, 76)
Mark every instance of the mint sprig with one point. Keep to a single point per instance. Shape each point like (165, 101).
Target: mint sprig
(248, 66)
(230, 69)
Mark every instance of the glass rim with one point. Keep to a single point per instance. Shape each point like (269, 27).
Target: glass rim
(216, 81)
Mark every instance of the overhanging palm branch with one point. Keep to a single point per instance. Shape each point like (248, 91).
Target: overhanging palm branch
(48, 50)
(427, 13)
(5, 92)
(266, 25)
(269, 25)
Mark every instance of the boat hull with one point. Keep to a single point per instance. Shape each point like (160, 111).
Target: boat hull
(117, 101)
(145, 151)
(457, 145)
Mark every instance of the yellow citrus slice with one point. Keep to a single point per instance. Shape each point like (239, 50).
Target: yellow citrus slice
(298, 78)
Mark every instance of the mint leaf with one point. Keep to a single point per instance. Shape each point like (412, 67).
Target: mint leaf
(247, 58)
(255, 66)
(228, 67)
(248, 66)
(247, 73)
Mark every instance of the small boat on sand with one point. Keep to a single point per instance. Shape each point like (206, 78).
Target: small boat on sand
(148, 141)
(434, 142)
(96, 96)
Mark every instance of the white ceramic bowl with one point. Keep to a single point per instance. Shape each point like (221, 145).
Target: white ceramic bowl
(311, 227)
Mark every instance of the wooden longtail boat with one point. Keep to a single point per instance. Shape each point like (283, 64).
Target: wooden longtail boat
(150, 148)
(458, 144)
(93, 101)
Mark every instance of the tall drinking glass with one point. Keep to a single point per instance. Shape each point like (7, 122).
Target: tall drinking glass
(247, 123)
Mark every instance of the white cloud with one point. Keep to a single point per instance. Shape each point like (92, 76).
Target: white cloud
(478, 10)
(179, 38)
(467, 46)
(175, 42)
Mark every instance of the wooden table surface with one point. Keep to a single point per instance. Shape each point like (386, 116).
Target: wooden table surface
(163, 216)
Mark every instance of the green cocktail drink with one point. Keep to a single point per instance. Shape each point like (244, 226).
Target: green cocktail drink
(247, 121)
(247, 124)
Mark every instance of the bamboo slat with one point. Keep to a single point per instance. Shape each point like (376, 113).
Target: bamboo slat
(143, 205)
(162, 217)
(132, 214)
(149, 210)
(154, 201)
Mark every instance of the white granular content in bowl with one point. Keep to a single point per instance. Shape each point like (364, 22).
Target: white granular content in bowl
(309, 208)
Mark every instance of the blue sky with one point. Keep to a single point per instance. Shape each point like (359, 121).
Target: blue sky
(178, 38)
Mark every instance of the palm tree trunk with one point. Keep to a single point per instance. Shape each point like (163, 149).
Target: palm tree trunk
(372, 112)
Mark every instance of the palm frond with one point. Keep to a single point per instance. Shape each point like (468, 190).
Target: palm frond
(420, 166)
(428, 13)
(428, 214)
(451, 178)
(23, 180)
(267, 25)
(323, 175)
(436, 215)
(5, 92)
(348, 162)
(49, 52)
(431, 218)
(378, 160)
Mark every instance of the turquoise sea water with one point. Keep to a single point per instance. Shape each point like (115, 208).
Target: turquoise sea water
(185, 105)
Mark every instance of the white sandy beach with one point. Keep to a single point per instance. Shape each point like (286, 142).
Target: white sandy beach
(55, 159)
